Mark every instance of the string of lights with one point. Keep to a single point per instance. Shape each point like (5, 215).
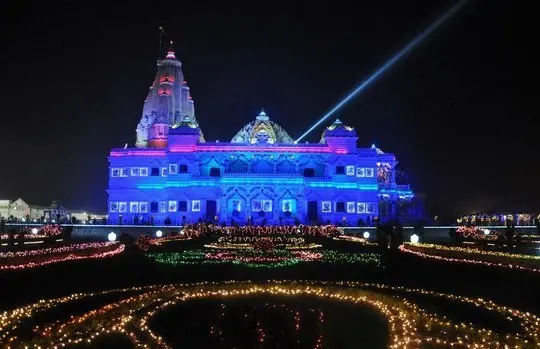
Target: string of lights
(355, 239)
(473, 256)
(288, 315)
(53, 250)
(350, 238)
(409, 325)
(247, 246)
(37, 258)
(251, 231)
(164, 240)
(26, 236)
(532, 239)
(254, 258)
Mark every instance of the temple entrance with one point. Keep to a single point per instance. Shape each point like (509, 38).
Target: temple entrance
(211, 209)
(312, 211)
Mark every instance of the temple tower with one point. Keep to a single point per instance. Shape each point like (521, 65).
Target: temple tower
(168, 102)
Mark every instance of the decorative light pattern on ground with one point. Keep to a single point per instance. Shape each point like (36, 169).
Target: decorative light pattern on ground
(248, 246)
(37, 258)
(251, 315)
(252, 258)
(409, 325)
(474, 256)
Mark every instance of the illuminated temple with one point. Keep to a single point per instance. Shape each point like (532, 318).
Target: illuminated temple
(174, 176)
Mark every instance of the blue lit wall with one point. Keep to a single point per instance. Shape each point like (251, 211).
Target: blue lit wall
(262, 177)
(271, 187)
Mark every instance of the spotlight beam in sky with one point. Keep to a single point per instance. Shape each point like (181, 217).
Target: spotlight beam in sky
(417, 40)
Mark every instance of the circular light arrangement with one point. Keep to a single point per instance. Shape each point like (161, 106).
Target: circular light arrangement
(159, 233)
(112, 236)
(35, 231)
(409, 325)
(415, 239)
(366, 235)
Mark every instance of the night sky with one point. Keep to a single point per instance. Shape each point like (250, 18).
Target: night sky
(74, 78)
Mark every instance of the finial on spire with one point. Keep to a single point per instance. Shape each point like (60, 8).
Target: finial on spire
(262, 115)
(170, 52)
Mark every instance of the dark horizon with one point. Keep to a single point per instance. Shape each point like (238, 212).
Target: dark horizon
(75, 79)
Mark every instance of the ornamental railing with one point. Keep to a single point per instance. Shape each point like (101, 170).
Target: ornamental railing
(261, 174)
(394, 186)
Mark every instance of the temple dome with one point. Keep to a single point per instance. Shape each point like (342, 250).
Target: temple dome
(338, 129)
(262, 130)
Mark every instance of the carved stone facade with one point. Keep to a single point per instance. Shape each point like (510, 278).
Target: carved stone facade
(261, 177)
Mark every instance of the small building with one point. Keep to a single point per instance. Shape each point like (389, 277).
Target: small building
(4, 208)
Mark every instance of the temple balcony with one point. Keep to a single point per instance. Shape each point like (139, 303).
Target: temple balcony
(261, 174)
(263, 178)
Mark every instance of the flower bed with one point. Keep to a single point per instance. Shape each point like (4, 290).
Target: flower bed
(528, 239)
(481, 235)
(270, 259)
(474, 256)
(252, 256)
(35, 258)
(26, 236)
(258, 243)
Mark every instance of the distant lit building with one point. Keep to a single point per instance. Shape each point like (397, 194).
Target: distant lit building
(20, 210)
(261, 176)
(84, 216)
(4, 208)
(491, 219)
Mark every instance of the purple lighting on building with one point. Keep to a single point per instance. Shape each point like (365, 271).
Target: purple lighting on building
(231, 148)
(117, 153)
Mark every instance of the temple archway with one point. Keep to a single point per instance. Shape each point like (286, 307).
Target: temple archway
(236, 207)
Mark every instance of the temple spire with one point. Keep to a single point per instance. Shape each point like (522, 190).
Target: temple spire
(168, 101)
